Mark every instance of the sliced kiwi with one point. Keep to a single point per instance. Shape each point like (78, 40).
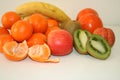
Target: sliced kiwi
(98, 47)
(80, 40)
(83, 39)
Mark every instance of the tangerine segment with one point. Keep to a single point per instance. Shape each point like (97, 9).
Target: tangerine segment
(15, 51)
(41, 53)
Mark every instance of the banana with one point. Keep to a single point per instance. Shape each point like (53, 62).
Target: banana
(46, 9)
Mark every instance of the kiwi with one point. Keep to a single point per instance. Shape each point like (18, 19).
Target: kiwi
(80, 40)
(71, 26)
(98, 47)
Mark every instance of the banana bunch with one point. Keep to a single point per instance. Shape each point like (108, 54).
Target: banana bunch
(46, 9)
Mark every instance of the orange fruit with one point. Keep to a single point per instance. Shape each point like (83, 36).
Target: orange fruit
(41, 53)
(15, 51)
(3, 39)
(52, 22)
(51, 29)
(36, 38)
(39, 22)
(3, 31)
(21, 30)
(9, 18)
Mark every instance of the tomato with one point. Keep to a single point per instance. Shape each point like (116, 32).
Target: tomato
(90, 22)
(107, 33)
(86, 11)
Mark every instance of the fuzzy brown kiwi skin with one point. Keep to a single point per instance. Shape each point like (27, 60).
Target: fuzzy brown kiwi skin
(95, 54)
(70, 26)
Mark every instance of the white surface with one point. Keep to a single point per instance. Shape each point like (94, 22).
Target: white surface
(73, 66)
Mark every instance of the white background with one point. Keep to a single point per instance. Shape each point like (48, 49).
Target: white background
(73, 66)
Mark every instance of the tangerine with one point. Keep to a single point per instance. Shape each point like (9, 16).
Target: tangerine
(41, 53)
(21, 30)
(39, 22)
(9, 18)
(3, 39)
(52, 22)
(3, 31)
(15, 51)
(36, 38)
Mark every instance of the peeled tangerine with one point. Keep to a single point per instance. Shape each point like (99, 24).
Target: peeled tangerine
(41, 53)
(15, 51)
(18, 51)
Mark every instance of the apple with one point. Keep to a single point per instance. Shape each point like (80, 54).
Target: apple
(60, 42)
(107, 33)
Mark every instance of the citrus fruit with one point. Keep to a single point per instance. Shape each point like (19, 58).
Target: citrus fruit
(36, 38)
(39, 22)
(3, 31)
(15, 51)
(9, 18)
(52, 22)
(3, 39)
(21, 30)
(41, 53)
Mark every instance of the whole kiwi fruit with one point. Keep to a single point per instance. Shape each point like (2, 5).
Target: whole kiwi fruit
(71, 26)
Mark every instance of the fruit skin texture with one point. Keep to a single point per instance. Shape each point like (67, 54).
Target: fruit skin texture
(3, 31)
(71, 26)
(3, 39)
(86, 11)
(21, 30)
(46, 9)
(39, 22)
(90, 22)
(107, 33)
(36, 38)
(9, 18)
(60, 42)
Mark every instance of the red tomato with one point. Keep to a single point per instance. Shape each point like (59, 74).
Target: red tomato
(107, 33)
(86, 11)
(90, 22)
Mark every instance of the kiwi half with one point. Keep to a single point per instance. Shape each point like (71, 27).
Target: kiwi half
(98, 47)
(80, 40)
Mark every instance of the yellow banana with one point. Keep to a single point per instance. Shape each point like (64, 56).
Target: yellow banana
(46, 9)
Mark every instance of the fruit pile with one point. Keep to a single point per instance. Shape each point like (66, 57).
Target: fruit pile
(39, 30)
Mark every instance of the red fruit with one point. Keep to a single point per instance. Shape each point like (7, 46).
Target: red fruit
(86, 11)
(60, 42)
(107, 33)
(90, 22)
